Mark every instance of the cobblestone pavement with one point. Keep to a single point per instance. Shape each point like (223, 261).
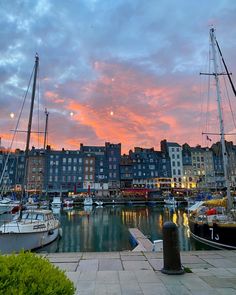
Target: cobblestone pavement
(213, 272)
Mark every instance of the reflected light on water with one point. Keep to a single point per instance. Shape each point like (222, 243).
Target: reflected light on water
(106, 229)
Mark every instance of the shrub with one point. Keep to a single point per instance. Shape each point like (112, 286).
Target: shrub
(28, 273)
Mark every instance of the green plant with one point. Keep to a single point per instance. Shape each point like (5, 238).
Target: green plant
(187, 270)
(28, 273)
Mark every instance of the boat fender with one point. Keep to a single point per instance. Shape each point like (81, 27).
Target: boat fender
(211, 211)
(50, 232)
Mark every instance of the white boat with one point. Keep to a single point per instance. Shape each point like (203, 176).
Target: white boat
(33, 229)
(170, 201)
(99, 203)
(214, 222)
(88, 201)
(68, 203)
(5, 205)
(9, 206)
(56, 202)
(31, 204)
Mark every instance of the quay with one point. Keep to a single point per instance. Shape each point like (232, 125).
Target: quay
(127, 272)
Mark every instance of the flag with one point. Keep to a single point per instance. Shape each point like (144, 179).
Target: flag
(208, 138)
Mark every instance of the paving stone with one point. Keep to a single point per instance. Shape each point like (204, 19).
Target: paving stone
(110, 264)
(191, 259)
(147, 276)
(107, 277)
(204, 292)
(157, 264)
(197, 265)
(67, 266)
(131, 289)
(157, 255)
(154, 289)
(194, 283)
(133, 257)
(216, 282)
(127, 276)
(221, 262)
(100, 255)
(73, 276)
(63, 259)
(88, 265)
(65, 254)
(102, 289)
(179, 289)
(88, 275)
(136, 265)
(86, 287)
(226, 291)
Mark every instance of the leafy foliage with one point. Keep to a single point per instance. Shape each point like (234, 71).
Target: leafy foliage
(28, 273)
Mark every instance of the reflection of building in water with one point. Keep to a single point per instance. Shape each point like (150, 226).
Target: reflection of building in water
(106, 229)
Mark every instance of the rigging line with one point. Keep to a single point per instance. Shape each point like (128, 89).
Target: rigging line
(228, 97)
(208, 92)
(228, 74)
(17, 125)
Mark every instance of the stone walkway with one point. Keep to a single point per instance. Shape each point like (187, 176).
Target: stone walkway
(100, 273)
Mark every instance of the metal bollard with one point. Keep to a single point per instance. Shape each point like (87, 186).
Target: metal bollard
(171, 252)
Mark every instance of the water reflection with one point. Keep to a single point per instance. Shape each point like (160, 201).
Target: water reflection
(106, 228)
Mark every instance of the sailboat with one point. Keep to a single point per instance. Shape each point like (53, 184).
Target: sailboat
(31, 228)
(214, 222)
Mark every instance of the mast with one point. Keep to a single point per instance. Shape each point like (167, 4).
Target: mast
(46, 129)
(30, 117)
(220, 112)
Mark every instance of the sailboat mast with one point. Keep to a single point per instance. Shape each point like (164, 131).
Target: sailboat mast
(219, 105)
(32, 104)
(46, 129)
(30, 117)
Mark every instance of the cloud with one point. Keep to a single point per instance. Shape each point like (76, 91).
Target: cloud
(137, 59)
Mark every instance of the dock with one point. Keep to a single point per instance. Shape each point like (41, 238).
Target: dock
(143, 243)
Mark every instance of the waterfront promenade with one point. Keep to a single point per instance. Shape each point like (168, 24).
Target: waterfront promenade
(126, 273)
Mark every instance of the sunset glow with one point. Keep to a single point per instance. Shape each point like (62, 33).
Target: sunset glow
(124, 72)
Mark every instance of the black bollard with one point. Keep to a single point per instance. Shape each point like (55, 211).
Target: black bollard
(171, 252)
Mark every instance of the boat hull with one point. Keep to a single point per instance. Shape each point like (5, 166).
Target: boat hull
(218, 235)
(15, 242)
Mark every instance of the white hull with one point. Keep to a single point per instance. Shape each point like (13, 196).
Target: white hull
(88, 201)
(15, 242)
(5, 209)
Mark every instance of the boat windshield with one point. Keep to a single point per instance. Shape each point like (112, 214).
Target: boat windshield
(32, 216)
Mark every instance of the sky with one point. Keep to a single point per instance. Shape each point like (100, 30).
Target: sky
(124, 71)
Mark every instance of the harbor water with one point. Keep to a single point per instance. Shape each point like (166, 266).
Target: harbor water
(99, 229)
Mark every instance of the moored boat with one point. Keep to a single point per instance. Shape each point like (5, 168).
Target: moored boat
(88, 201)
(214, 222)
(30, 230)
